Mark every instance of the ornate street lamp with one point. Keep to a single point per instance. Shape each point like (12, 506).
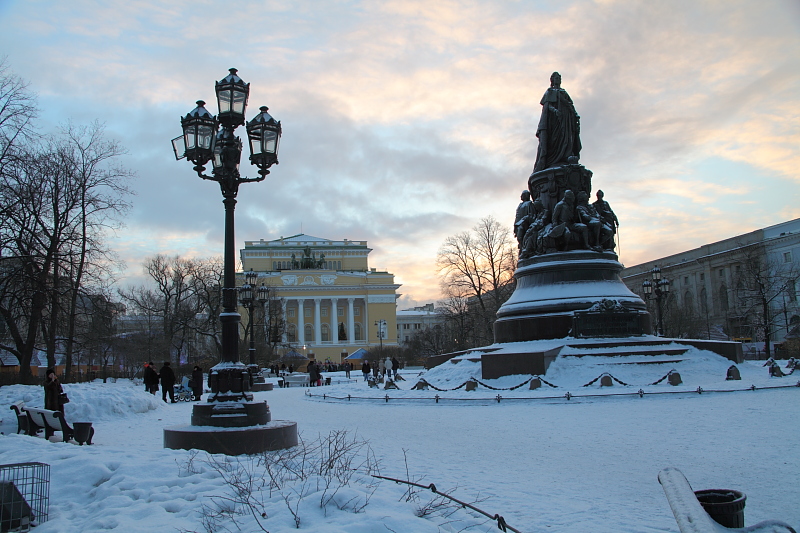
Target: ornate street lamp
(381, 332)
(247, 299)
(660, 288)
(231, 402)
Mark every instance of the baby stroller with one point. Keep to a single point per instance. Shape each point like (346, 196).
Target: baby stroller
(183, 393)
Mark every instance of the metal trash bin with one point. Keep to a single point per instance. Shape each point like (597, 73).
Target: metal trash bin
(725, 506)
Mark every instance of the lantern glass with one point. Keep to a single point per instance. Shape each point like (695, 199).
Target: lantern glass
(251, 277)
(179, 147)
(263, 293)
(647, 287)
(232, 94)
(269, 142)
(656, 273)
(246, 293)
(205, 134)
(665, 286)
(216, 161)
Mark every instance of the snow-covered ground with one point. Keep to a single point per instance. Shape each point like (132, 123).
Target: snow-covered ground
(588, 463)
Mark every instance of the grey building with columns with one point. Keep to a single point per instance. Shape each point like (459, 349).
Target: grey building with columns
(733, 287)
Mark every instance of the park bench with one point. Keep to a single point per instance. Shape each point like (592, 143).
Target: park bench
(37, 419)
(295, 379)
(22, 416)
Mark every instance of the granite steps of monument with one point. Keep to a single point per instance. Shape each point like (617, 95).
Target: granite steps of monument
(535, 357)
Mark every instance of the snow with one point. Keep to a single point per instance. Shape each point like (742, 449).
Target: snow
(542, 461)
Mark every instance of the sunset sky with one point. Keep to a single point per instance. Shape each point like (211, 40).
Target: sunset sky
(405, 122)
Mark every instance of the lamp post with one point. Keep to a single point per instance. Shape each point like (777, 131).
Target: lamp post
(660, 288)
(247, 299)
(211, 139)
(381, 331)
(263, 298)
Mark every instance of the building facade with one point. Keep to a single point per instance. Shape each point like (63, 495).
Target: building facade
(412, 321)
(743, 288)
(332, 302)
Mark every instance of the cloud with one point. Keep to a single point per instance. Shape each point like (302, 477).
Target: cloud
(407, 121)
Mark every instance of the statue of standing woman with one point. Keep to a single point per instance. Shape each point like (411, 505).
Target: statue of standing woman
(559, 127)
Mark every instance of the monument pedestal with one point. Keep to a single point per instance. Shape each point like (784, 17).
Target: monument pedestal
(553, 289)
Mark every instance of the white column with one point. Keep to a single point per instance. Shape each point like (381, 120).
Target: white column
(334, 319)
(301, 321)
(317, 322)
(351, 325)
(284, 334)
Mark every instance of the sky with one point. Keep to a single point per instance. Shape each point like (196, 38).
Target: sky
(405, 122)
(589, 463)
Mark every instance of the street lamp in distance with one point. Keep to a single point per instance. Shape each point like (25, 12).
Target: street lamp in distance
(659, 288)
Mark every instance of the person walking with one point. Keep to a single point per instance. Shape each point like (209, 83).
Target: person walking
(365, 369)
(197, 383)
(395, 366)
(312, 374)
(150, 378)
(388, 366)
(167, 382)
(347, 368)
(52, 392)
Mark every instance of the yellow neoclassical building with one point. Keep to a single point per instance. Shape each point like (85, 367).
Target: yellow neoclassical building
(332, 301)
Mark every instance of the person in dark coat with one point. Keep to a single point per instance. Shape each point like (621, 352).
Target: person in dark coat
(312, 373)
(365, 369)
(395, 366)
(167, 382)
(52, 391)
(150, 378)
(197, 383)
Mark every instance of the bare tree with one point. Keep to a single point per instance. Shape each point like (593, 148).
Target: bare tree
(57, 206)
(761, 281)
(478, 265)
(17, 113)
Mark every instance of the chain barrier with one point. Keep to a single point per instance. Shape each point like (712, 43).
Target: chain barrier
(501, 522)
(568, 395)
(609, 375)
(434, 387)
(662, 379)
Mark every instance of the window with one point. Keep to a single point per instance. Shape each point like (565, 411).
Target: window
(358, 332)
(307, 312)
(685, 280)
(787, 257)
(721, 272)
(702, 277)
(325, 311)
(357, 311)
(290, 312)
(340, 311)
(723, 298)
(291, 334)
(405, 326)
(792, 290)
(326, 333)
(309, 333)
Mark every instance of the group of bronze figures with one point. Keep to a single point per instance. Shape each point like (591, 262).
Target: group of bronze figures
(308, 261)
(573, 224)
(555, 214)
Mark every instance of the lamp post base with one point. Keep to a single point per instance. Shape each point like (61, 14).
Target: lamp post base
(230, 421)
(276, 435)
